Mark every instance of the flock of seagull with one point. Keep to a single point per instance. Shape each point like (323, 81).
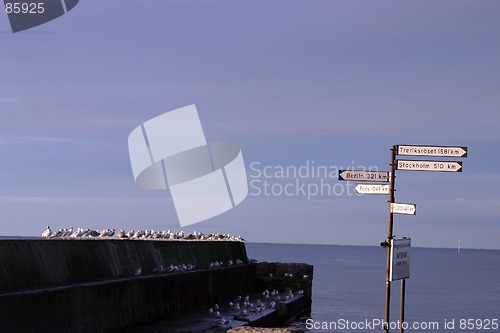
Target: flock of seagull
(80, 233)
(240, 308)
(189, 267)
(167, 269)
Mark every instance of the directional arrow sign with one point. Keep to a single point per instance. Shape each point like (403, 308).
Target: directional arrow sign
(363, 175)
(402, 208)
(443, 166)
(372, 189)
(443, 151)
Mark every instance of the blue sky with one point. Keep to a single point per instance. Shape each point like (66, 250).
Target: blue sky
(334, 82)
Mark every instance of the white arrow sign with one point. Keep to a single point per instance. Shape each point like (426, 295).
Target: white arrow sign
(372, 189)
(443, 151)
(363, 175)
(443, 166)
(402, 208)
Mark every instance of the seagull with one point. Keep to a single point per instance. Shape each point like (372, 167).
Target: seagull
(58, 233)
(137, 272)
(76, 234)
(121, 234)
(47, 232)
(158, 269)
(138, 234)
(67, 232)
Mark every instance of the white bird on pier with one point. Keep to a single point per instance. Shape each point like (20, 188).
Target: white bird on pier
(159, 269)
(47, 232)
(68, 232)
(56, 234)
(137, 272)
(75, 233)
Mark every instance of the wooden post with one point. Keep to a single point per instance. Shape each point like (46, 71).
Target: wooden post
(392, 179)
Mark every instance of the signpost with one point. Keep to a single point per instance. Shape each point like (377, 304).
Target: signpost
(372, 189)
(443, 166)
(364, 175)
(441, 151)
(402, 208)
(400, 270)
(398, 250)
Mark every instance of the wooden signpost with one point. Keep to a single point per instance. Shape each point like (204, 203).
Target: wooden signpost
(398, 250)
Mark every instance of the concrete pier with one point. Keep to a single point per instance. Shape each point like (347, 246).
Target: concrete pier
(86, 285)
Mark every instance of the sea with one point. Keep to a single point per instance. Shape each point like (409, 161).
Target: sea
(447, 291)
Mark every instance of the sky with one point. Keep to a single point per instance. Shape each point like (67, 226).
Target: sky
(294, 83)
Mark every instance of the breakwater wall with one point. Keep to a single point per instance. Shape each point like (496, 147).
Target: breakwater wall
(285, 276)
(86, 285)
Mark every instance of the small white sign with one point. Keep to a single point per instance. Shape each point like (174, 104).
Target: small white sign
(372, 189)
(444, 151)
(441, 166)
(403, 208)
(364, 175)
(400, 259)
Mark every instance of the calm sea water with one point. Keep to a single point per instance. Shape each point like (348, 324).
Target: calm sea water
(444, 288)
